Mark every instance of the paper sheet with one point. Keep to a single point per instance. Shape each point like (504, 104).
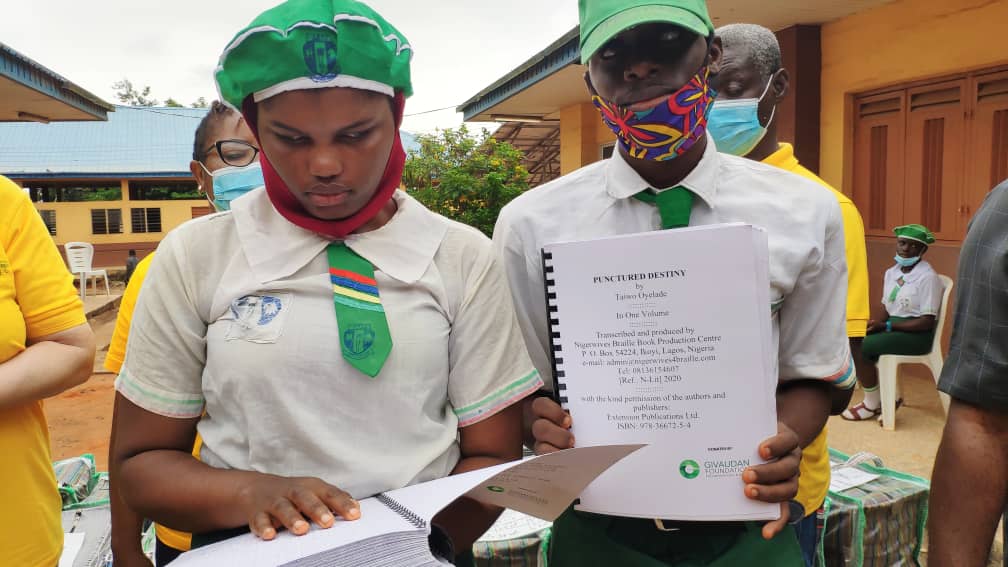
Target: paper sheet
(513, 525)
(72, 544)
(661, 341)
(545, 486)
(842, 478)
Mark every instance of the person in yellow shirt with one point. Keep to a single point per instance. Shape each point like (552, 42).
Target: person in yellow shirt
(751, 84)
(46, 347)
(224, 152)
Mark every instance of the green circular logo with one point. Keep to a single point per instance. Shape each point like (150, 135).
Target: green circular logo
(495, 489)
(689, 469)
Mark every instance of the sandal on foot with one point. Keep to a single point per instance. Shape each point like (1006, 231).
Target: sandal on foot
(860, 412)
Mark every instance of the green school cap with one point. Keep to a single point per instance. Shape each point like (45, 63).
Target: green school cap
(601, 20)
(306, 44)
(917, 232)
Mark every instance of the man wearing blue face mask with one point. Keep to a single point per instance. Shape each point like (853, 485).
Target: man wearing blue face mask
(226, 166)
(750, 85)
(649, 65)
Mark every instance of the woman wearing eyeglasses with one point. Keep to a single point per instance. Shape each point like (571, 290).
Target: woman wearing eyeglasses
(225, 165)
(225, 157)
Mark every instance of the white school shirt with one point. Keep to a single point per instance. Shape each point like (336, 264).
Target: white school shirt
(236, 317)
(919, 294)
(808, 267)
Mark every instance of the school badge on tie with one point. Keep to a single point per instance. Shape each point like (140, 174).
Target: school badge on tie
(363, 329)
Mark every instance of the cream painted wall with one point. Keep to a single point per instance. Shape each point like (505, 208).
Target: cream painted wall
(73, 220)
(896, 43)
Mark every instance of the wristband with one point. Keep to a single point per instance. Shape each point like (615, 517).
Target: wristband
(888, 326)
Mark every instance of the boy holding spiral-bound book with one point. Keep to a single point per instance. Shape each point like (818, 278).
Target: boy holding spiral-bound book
(648, 69)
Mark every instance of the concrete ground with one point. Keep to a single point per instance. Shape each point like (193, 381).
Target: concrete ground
(98, 302)
(912, 446)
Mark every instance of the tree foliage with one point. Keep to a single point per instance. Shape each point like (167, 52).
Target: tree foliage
(465, 177)
(131, 96)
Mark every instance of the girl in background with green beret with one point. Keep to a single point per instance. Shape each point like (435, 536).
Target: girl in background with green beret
(912, 295)
(352, 342)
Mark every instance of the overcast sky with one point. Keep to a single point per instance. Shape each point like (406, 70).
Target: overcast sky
(460, 46)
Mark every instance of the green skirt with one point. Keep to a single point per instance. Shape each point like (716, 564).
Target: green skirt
(580, 539)
(897, 342)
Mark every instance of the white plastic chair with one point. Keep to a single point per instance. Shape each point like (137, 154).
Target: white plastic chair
(888, 364)
(79, 256)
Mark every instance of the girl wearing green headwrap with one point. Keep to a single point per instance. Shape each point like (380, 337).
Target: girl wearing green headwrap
(912, 295)
(350, 342)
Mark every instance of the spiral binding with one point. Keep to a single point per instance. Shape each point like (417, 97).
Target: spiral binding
(407, 514)
(556, 357)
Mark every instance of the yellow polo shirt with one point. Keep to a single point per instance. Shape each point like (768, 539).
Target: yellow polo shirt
(854, 241)
(113, 362)
(815, 469)
(37, 298)
(117, 348)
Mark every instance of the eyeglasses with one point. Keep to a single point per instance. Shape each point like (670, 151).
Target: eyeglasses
(234, 152)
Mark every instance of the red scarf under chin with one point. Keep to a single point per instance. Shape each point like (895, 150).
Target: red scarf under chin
(287, 205)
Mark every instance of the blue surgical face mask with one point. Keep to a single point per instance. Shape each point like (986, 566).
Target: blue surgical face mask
(735, 125)
(907, 262)
(232, 182)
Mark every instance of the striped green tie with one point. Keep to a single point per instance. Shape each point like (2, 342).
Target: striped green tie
(363, 329)
(674, 205)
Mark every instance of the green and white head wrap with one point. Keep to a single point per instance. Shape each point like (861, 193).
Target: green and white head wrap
(917, 232)
(310, 44)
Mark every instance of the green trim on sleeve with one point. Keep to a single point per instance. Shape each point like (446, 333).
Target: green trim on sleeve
(168, 404)
(499, 399)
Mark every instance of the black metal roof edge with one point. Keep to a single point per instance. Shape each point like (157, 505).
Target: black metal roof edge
(36, 76)
(559, 54)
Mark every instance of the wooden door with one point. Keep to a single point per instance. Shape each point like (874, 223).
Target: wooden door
(934, 157)
(987, 142)
(878, 186)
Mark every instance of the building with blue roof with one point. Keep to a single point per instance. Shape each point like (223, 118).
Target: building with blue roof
(30, 91)
(135, 142)
(120, 185)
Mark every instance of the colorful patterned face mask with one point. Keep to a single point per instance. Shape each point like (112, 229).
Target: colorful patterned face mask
(667, 130)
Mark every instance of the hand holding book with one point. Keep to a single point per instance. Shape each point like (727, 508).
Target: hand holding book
(396, 527)
(270, 502)
(775, 481)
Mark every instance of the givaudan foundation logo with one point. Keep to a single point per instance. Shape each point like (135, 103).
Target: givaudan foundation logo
(689, 469)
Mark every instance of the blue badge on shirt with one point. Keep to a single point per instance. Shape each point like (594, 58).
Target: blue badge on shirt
(271, 307)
